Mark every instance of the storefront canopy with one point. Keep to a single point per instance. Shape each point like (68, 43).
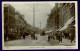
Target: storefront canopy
(49, 31)
(67, 23)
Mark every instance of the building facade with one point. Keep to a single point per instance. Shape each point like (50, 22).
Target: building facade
(14, 23)
(66, 11)
(20, 23)
(53, 19)
(62, 17)
(9, 19)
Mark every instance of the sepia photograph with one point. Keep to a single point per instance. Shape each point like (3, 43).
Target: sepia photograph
(39, 25)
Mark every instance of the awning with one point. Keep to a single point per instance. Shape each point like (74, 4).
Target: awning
(49, 31)
(67, 23)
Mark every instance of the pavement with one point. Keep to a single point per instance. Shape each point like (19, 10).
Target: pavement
(41, 41)
(67, 42)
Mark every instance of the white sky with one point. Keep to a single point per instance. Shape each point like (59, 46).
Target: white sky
(41, 11)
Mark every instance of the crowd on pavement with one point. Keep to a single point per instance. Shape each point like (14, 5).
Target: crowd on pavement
(52, 38)
(60, 35)
(55, 36)
(23, 35)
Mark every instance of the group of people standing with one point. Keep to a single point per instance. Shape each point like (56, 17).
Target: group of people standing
(33, 35)
(55, 37)
(23, 35)
(60, 35)
(70, 36)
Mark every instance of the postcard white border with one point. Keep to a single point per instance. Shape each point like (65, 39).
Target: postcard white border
(41, 47)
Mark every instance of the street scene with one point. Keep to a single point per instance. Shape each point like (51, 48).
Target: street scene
(39, 24)
(41, 41)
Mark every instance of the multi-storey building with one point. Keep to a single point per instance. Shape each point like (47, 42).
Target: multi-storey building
(14, 22)
(20, 22)
(66, 11)
(66, 15)
(62, 17)
(53, 20)
(9, 19)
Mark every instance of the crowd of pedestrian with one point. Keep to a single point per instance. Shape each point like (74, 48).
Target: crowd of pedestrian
(24, 34)
(32, 34)
(58, 36)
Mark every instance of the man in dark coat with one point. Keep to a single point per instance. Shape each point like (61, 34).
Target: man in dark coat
(53, 36)
(61, 37)
(24, 35)
(34, 34)
(56, 36)
(21, 34)
(72, 37)
(49, 37)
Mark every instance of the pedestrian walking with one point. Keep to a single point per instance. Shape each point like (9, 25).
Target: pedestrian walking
(72, 37)
(53, 36)
(31, 35)
(24, 35)
(21, 35)
(61, 37)
(72, 32)
(66, 34)
(56, 36)
(48, 37)
(34, 35)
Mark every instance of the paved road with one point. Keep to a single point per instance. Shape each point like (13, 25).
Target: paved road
(41, 41)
